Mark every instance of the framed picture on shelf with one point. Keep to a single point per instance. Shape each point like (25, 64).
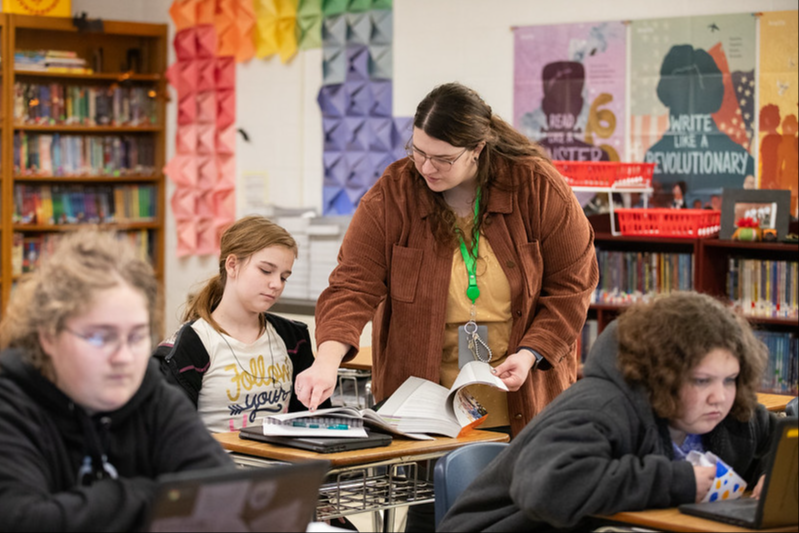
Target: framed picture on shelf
(770, 208)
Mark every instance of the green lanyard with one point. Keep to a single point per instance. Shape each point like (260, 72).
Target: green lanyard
(470, 258)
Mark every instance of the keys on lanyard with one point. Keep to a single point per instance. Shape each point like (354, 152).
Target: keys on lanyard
(474, 342)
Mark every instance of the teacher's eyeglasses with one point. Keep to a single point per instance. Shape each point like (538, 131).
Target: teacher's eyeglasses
(442, 164)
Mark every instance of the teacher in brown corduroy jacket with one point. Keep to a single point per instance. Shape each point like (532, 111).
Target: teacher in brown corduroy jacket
(471, 187)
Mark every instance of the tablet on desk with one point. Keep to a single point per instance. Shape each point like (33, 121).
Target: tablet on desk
(319, 444)
(779, 501)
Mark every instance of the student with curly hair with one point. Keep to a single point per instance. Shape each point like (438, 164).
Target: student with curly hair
(676, 374)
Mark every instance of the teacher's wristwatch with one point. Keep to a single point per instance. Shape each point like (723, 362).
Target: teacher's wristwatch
(538, 359)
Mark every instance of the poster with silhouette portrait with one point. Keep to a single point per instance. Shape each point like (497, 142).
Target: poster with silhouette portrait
(569, 90)
(692, 105)
(778, 94)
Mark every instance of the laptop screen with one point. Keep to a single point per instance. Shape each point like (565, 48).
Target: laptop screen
(276, 498)
(781, 492)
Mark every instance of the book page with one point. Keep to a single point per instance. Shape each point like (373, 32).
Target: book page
(459, 403)
(474, 373)
(416, 397)
(334, 422)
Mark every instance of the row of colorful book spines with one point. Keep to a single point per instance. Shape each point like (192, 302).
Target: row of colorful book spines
(782, 373)
(782, 370)
(28, 251)
(635, 272)
(43, 204)
(765, 288)
(70, 104)
(60, 154)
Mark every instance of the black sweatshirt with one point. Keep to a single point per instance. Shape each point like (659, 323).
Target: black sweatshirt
(45, 438)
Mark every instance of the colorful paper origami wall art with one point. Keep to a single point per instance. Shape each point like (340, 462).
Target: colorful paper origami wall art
(275, 23)
(233, 21)
(361, 137)
(203, 167)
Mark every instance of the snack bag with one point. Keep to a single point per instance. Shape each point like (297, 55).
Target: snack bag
(728, 485)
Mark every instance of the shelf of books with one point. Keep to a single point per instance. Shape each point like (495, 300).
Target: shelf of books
(758, 278)
(83, 136)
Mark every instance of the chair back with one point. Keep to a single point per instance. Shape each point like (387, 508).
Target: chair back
(791, 408)
(456, 470)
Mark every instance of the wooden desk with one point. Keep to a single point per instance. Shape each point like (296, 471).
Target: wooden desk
(362, 361)
(372, 479)
(774, 402)
(673, 520)
(400, 448)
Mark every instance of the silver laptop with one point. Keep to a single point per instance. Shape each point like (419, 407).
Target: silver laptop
(779, 501)
(274, 498)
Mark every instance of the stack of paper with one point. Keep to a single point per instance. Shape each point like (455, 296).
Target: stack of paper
(326, 235)
(297, 285)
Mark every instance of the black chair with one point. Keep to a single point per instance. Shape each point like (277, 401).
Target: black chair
(456, 470)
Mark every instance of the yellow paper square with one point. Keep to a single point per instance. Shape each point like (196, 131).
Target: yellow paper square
(46, 8)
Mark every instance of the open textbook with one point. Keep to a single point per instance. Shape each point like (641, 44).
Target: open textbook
(418, 409)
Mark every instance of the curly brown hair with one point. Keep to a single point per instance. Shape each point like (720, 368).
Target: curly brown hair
(662, 340)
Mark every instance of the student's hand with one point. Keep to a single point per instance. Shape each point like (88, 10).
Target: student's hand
(316, 384)
(759, 487)
(704, 480)
(514, 369)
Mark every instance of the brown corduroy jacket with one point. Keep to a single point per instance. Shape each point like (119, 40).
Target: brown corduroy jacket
(391, 271)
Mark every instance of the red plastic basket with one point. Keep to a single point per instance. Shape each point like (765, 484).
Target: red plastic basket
(634, 174)
(665, 222)
(605, 173)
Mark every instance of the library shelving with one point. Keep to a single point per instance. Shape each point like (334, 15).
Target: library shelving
(758, 278)
(83, 136)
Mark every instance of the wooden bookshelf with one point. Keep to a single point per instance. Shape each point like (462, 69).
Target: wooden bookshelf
(711, 264)
(124, 54)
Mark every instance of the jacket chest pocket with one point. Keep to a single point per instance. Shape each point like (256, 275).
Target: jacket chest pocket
(532, 266)
(406, 264)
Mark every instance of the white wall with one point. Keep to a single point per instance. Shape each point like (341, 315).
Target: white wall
(435, 41)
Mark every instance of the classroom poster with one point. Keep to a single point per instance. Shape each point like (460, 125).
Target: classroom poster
(692, 104)
(778, 151)
(569, 89)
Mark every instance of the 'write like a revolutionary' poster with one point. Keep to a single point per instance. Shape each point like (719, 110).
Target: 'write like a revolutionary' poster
(692, 102)
(569, 89)
(778, 103)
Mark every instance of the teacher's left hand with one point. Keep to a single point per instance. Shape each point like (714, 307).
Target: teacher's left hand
(514, 369)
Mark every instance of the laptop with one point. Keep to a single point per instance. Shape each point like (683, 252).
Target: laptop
(779, 501)
(275, 498)
(373, 439)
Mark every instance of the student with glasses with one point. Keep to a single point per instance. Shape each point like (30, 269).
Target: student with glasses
(474, 228)
(234, 359)
(86, 419)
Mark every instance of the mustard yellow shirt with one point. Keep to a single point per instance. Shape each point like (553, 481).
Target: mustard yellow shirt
(493, 311)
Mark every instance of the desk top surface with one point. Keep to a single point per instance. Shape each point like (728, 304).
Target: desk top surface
(400, 447)
(362, 361)
(672, 519)
(774, 402)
